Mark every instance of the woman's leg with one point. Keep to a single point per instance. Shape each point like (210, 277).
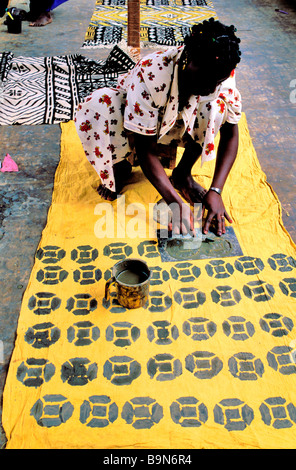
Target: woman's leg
(3, 6)
(99, 123)
(39, 13)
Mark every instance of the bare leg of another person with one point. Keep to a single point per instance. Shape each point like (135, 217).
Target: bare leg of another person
(39, 14)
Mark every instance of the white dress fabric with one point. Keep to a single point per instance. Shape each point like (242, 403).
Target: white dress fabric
(146, 102)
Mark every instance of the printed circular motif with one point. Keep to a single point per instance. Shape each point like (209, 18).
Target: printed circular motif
(112, 304)
(282, 359)
(158, 276)
(42, 335)
(87, 275)
(288, 286)
(148, 249)
(78, 371)
(83, 333)
(51, 275)
(219, 269)
(142, 412)
(122, 334)
(162, 333)
(84, 254)
(203, 364)
(188, 412)
(43, 303)
(189, 297)
(225, 296)
(245, 366)
(34, 372)
(259, 291)
(52, 410)
(238, 328)
(163, 367)
(199, 328)
(159, 301)
(233, 414)
(98, 411)
(50, 254)
(249, 265)
(121, 370)
(185, 272)
(282, 263)
(278, 413)
(276, 324)
(81, 304)
(117, 251)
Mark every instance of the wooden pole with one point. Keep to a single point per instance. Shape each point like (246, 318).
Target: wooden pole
(133, 24)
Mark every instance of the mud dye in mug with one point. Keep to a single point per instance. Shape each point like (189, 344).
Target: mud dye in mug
(131, 278)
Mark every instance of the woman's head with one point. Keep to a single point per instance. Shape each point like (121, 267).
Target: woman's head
(211, 52)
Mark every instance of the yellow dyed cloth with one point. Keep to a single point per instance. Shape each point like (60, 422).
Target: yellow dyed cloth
(209, 362)
(159, 24)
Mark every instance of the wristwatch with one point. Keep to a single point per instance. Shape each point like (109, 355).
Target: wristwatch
(217, 190)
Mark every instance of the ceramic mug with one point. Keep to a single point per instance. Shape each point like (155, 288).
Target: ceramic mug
(131, 278)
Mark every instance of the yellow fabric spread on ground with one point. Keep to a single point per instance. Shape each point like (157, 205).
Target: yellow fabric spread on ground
(208, 363)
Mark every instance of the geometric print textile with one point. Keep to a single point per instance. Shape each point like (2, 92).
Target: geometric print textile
(47, 90)
(208, 362)
(162, 22)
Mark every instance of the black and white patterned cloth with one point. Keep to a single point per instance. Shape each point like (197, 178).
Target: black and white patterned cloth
(47, 90)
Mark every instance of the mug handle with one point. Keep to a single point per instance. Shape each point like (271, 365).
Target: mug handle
(107, 287)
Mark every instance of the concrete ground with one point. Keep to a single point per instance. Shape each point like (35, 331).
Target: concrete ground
(266, 80)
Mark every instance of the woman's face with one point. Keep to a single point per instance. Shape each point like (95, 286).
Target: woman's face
(198, 80)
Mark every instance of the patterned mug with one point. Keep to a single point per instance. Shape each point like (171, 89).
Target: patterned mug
(132, 280)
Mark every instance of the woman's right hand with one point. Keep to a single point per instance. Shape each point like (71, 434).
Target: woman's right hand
(182, 219)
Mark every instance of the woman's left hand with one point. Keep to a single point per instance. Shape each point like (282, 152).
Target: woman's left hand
(214, 204)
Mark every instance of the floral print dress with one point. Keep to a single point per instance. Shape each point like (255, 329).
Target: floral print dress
(146, 102)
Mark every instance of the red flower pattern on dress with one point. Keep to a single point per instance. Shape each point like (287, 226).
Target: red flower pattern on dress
(145, 95)
(111, 147)
(140, 76)
(104, 174)
(98, 153)
(221, 106)
(166, 61)
(151, 76)
(209, 148)
(85, 126)
(162, 88)
(106, 100)
(146, 63)
(106, 130)
(138, 109)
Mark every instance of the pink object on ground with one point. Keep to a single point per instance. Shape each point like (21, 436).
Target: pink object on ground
(8, 164)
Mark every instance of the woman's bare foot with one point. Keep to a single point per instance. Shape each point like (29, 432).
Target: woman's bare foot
(122, 171)
(191, 191)
(106, 193)
(42, 20)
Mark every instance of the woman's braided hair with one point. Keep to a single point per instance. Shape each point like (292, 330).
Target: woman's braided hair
(213, 43)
